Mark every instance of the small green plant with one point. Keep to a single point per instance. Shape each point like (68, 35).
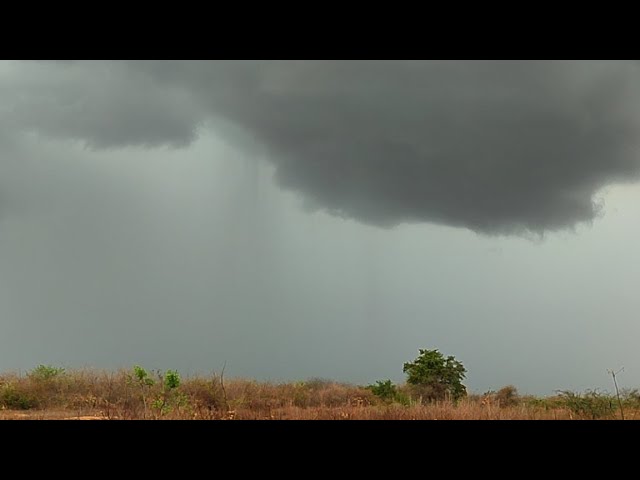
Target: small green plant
(170, 397)
(171, 380)
(142, 376)
(143, 381)
(45, 372)
(159, 404)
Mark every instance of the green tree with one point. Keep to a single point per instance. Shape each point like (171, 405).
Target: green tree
(435, 377)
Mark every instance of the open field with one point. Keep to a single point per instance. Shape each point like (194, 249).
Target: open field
(49, 393)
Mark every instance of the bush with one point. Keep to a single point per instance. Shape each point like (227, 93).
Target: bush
(591, 404)
(630, 398)
(435, 377)
(13, 399)
(507, 396)
(206, 395)
(385, 390)
(45, 372)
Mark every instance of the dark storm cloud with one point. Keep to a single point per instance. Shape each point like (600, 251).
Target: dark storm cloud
(497, 147)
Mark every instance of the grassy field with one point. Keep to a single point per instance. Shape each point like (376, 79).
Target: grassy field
(52, 393)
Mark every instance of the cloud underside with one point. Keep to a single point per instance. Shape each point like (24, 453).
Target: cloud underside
(496, 147)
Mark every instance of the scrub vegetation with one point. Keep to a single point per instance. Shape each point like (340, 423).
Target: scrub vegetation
(433, 391)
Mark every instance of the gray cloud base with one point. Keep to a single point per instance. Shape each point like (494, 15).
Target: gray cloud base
(496, 147)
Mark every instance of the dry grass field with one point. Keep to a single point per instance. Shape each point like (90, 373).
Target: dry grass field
(49, 393)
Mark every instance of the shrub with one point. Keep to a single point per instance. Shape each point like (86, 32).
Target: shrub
(45, 372)
(171, 379)
(14, 399)
(507, 396)
(436, 377)
(591, 404)
(385, 390)
(142, 376)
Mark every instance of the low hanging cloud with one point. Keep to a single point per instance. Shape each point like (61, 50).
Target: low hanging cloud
(498, 147)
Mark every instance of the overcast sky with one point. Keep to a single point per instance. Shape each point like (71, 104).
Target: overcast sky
(323, 219)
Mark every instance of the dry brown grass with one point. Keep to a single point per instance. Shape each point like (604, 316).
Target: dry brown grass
(94, 395)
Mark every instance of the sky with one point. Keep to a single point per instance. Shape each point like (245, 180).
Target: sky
(305, 219)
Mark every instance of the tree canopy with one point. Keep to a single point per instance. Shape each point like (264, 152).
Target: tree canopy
(435, 376)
